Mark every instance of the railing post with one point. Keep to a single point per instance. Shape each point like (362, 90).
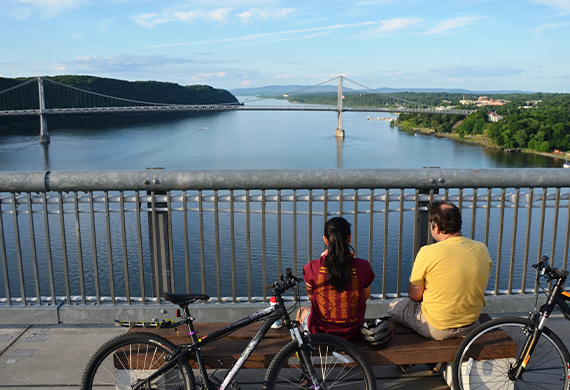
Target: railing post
(44, 136)
(158, 244)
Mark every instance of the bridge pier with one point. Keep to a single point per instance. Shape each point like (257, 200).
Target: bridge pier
(339, 133)
(44, 136)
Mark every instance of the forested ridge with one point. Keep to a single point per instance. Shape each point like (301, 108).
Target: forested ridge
(147, 91)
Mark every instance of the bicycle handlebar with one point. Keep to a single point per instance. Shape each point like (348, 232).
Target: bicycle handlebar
(543, 269)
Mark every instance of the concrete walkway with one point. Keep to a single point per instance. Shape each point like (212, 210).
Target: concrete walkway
(54, 357)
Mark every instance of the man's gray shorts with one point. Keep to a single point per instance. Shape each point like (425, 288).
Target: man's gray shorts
(409, 313)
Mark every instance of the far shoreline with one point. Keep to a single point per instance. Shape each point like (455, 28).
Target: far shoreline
(479, 139)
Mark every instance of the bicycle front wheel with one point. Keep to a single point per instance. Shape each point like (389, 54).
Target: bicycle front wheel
(485, 357)
(128, 358)
(337, 363)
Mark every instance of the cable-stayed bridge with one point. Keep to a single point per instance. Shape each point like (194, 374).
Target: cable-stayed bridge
(43, 96)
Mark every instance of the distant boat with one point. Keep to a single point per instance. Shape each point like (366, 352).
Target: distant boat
(566, 163)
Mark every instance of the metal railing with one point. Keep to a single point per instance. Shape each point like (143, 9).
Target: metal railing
(112, 237)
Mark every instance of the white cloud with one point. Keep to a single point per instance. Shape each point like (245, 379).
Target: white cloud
(540, 29)
(150, 20)
(269, 13)
(452, 24)
(23, 9)
(272, 36)
(392, 25)
(560, 4)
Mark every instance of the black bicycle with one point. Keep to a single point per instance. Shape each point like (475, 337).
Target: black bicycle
(141, 360)
(518, 353)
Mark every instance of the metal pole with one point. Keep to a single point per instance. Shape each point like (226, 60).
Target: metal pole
(339, 131)
(44, 136)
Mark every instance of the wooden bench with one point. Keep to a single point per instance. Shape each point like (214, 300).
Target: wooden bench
(405, 347)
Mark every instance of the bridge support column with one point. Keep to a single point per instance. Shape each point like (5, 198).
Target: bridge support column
(44, 136)
(339, 133)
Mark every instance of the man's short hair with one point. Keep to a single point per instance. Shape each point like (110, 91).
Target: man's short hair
(445, 215)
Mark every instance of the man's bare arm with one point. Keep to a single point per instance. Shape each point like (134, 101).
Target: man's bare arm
(416, 293)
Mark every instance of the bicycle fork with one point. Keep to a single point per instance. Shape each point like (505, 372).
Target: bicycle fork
(305, 359)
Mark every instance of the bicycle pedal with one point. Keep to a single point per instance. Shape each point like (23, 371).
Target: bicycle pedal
(235, 386)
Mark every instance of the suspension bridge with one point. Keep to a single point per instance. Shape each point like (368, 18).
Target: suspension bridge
(34, 97)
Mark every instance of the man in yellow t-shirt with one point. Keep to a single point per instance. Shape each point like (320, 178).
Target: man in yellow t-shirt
(448, 280)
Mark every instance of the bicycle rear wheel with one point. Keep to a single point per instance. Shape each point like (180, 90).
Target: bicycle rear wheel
(337, 363)
(125, 359)
(485, 357)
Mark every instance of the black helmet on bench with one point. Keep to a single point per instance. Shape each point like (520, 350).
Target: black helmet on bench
(378, 331)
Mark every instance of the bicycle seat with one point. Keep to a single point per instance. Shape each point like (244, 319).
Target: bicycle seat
(184, 298)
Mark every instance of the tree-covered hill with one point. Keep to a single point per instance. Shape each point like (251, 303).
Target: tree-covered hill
(147, 91)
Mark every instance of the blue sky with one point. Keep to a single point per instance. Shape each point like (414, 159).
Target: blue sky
(472, 44)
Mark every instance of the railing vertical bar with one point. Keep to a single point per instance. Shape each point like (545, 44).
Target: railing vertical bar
(170, 240)
(400, 245)
(460, 200)
(125, 253)
(48, 248)
(500, 241)
(64, 247)
(233, 246)
(541, 230)
(513, 242)
(5, 262)
(474, 213)
(325, 213)
(217, 240)
(18, 249)
(416, 224)
(355, 224)
(488, 217)
(527, 239)
(555, 227)
(33, 248)
(202, 254)
(370, 225)
(310, 227)
(429, 236)
(340, 202)
(446, 194)
(263, 246)
(155, 245)
(248, 245)
(295, 231)
(94, 248)
(279, 234)
(139, 245)
(567, 238)
(109, 247)
(385, 249)
(79, 247)
(186, 242)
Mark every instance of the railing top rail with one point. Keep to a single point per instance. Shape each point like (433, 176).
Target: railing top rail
(256, 179)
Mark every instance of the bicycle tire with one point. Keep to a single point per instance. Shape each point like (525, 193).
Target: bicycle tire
(501, 341)
(337, 363)
(129, 357)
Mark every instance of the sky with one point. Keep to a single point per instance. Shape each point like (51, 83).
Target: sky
(479, 45)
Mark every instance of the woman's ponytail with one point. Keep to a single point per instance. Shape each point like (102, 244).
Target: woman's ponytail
(339, 258)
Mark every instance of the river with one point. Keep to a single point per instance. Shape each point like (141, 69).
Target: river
(241, 140)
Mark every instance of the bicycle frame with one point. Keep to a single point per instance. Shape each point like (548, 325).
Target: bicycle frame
(272, 313)
(557, 298)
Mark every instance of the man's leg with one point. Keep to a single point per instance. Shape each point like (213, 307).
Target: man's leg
(409, 313)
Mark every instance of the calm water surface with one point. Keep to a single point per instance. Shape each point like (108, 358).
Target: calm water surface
(242, 140)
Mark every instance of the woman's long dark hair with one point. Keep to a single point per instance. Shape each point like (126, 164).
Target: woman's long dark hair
(339, 258)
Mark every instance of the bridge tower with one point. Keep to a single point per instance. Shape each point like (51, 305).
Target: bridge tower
(44, 136)
(339, 133)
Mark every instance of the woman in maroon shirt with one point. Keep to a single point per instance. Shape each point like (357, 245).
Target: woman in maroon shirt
(338, 285)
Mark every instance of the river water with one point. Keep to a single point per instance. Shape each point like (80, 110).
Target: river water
(236, 140)
(242, 140)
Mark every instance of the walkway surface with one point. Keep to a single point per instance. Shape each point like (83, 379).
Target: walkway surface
(54, 357)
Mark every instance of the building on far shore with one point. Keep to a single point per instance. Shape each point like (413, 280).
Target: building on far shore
(484, 101)
(494, 117)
